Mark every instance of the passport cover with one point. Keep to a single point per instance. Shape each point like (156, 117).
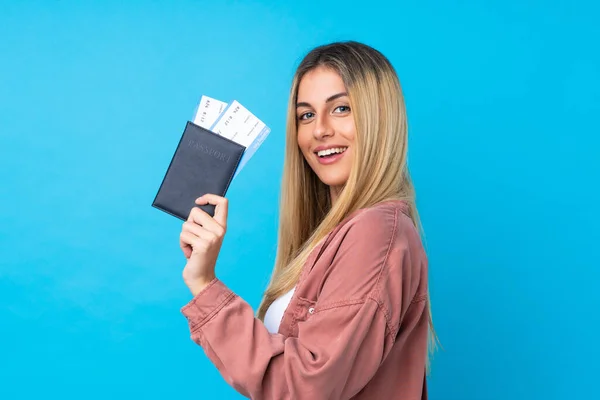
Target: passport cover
(204, 162)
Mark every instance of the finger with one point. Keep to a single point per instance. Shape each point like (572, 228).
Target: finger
(203, 219)
(221, 208)
(185, 243)
(199, 231)
(195, 242)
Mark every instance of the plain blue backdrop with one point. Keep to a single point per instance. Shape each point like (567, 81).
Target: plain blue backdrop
(503, 100)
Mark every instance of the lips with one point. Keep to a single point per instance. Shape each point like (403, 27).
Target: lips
(334, 150)
(330, 154)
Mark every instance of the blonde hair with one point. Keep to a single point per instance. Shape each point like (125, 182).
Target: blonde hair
(379, 169)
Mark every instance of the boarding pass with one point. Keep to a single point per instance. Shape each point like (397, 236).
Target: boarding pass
(232, 121)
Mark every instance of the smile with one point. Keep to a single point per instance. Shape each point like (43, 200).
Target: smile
(329, 156)
(328, 152)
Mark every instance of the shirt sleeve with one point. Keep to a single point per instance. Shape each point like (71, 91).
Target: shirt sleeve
(340, 344)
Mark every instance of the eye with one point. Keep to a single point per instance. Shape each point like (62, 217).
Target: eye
(342, 109)
(306, 115)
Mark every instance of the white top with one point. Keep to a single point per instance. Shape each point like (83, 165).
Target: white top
(275, 311)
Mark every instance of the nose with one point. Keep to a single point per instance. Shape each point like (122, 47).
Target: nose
(322, 128)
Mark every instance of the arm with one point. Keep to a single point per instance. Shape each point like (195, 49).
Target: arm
(339, 347)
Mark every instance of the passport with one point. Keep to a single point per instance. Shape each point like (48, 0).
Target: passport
(203, 162)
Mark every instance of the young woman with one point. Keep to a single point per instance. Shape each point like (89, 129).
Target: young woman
(346, 314)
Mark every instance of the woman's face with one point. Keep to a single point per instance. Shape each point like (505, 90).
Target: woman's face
(326, 127)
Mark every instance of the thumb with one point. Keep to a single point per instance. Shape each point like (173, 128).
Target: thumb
(221, 207)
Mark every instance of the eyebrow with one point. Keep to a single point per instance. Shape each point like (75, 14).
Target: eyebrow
(330, 98)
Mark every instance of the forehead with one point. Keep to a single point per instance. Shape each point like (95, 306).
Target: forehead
(319, 84)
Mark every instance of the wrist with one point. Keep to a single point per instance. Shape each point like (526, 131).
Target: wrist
(198, 285)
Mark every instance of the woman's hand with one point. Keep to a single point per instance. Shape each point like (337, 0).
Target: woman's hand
(200, 239)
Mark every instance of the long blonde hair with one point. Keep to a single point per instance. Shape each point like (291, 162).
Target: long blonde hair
(379, 170)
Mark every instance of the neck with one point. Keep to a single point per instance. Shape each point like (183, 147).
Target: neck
(334, 193)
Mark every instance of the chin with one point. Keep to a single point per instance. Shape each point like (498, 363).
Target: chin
(333, 179)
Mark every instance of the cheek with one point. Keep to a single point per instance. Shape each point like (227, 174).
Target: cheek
(303, 140)
(348, 130)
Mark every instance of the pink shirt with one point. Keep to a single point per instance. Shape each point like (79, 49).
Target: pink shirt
(355, 328)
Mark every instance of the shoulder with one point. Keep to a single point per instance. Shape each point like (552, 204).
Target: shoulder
(383, 224)
(386, 247)
(395, 270)
(376, 238)
(375, 254)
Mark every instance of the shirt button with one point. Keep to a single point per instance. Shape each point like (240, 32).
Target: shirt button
(311, 310)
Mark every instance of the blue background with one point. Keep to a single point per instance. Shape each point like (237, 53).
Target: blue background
(503, 100)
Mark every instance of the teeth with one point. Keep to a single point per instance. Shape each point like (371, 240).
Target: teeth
(327, 152)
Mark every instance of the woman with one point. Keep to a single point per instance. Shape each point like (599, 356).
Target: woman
(346, 314)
